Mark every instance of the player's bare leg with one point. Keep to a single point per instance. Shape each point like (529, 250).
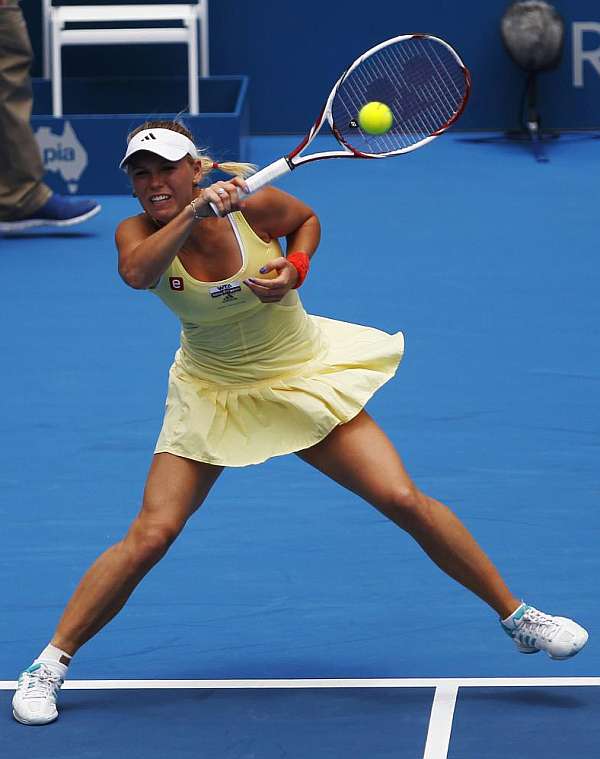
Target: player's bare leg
(360, 456)
(175, 489)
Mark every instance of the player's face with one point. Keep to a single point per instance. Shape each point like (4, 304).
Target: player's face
(163, 187)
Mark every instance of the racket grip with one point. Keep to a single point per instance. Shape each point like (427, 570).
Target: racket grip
(263, 177)
(267, 175)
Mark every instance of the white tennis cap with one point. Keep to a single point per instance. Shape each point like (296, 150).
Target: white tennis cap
(163, 142)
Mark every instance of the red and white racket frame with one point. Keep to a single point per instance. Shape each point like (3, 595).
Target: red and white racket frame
(292, 160)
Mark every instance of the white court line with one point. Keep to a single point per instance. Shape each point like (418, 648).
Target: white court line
(438, 682)
(442, 709)
(440, 722)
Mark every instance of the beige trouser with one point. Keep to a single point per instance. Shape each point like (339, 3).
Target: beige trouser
(21, 170)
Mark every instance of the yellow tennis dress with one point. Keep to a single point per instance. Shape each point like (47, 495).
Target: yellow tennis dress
(253, 380)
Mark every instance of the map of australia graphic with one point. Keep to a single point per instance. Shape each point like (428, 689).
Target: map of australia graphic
(63, 154)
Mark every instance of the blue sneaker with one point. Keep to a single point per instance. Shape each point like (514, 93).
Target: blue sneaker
(534, 631)
(57, 211)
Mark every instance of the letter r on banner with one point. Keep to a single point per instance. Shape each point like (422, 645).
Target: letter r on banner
(580, 56)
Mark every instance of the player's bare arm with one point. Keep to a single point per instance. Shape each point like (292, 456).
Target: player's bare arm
(273, 214)
(146, 250)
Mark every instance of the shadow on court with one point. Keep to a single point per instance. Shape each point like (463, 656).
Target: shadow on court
(493, 723)
(228, 724)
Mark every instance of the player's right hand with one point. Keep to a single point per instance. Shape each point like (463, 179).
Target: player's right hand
(225, 196)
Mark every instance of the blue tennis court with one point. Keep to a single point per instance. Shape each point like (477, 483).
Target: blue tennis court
(290, 619)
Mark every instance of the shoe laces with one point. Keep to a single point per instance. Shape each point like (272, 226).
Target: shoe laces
(537, 623)
(40, 682)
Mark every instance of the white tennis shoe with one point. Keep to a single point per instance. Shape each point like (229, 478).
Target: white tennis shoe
(34, 702)
(534, 631)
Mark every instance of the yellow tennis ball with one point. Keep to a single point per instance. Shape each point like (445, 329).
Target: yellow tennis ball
(375, 118)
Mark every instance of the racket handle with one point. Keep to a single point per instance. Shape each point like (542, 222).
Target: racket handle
(267, 175)
(263, 177)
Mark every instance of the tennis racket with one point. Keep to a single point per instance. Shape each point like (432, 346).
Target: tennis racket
(419, 77)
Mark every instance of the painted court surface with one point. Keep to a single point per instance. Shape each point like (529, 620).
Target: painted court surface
(290, 619)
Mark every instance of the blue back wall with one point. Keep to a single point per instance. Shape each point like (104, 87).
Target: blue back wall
(293, 52)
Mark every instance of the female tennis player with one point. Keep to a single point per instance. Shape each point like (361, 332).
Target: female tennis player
(255, 377)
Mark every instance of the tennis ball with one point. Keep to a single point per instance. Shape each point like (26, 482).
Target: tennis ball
(375, 118)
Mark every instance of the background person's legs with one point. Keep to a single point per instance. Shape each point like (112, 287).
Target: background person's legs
(22, 191)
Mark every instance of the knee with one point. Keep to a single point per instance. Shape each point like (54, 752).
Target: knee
(149, 541)
(407, 506)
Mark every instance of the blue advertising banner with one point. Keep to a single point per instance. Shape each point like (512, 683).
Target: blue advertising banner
(81, 151)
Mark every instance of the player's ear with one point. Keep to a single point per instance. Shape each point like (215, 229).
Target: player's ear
(198, 173)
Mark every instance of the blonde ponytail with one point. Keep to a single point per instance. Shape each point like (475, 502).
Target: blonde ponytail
(233, 168)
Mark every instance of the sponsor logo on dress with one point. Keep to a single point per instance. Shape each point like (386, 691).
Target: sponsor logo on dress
(226, 292)
(176, 283)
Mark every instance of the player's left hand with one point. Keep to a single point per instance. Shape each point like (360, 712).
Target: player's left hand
(271, 289)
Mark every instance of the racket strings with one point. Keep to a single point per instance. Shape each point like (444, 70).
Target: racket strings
(419, 79)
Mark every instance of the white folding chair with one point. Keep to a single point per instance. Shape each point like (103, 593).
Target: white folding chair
(57, 34)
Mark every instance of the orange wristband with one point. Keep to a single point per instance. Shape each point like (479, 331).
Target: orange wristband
(301, 262)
